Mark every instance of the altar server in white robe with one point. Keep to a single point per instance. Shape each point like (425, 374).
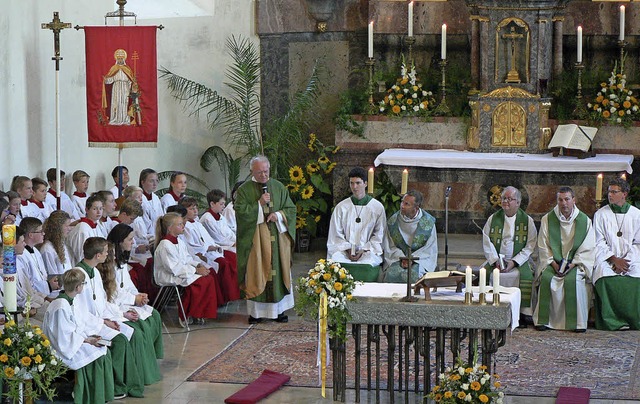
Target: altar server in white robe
(177, 188)
(55, 254)
(94, 298)
(66, 203)
(77, 349)
(151, 204)
(141, 240)
(24, 290)
(216, 223)
(79, 196)
(566, 245)
(87, 227)
(229, 211)
(105, 224)
(616, 276)
(411, 230)
(37, 206)
(33, 268)
(356, 230)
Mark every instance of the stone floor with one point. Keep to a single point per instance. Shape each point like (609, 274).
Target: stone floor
(185, 352)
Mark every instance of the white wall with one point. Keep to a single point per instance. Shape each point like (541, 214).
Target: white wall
(192, 44)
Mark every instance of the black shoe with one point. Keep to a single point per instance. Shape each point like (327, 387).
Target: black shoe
(253, 320)
(282, 318)
(580, 330)
(541, 327)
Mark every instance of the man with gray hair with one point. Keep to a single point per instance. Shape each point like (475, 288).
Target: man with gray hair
(508, 240)
(410, 231)
(266, 230)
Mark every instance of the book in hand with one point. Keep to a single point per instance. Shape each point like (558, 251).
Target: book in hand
(573, 137)
(104, 342)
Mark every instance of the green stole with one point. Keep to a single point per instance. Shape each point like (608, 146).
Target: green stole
(422, 234)
(361, 202)
(569, 285)
(620, 209)
(63, 295)
(88, 268)
(520, 238)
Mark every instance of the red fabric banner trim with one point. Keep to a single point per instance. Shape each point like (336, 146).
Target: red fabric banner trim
(122, 86)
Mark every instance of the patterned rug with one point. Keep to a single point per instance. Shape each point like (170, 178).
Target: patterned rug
(531, 363)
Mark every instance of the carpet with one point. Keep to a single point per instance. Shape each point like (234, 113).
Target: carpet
(531, 362)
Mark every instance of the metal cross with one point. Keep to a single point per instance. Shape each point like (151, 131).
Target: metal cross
(56, 26)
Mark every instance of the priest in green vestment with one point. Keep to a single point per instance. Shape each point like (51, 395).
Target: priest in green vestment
(616, 275)
(508, 240)
(266, 219)
(566, 246)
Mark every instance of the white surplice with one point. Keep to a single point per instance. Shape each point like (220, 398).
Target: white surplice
(173, 265)
(220, 231)
(76, 238)
(607, 225)
(229, 213)
(66, 204)
(152, 208)
(52, 261)
(198, 241)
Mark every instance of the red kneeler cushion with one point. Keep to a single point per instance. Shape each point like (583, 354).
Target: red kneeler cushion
(268, 382)
(573, 395)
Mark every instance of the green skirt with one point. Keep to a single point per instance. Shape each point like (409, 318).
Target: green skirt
(362, 272)
(617, 303)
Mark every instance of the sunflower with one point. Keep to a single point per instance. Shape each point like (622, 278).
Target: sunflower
(312, 167)
(295, 173)
(307, 192)
(323, 160)
(316, 219)
(330, 168)
(301, 222)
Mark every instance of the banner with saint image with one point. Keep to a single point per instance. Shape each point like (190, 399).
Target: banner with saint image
(122, 86)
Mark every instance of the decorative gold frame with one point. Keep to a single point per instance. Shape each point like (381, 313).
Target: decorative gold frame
(523, 24)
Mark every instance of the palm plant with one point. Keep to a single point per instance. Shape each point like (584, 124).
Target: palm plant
(238, 115)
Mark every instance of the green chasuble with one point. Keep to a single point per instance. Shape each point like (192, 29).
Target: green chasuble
(520, 238)
(555, 242)
(263, 253)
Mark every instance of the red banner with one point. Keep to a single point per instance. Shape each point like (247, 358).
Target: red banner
(122, 86)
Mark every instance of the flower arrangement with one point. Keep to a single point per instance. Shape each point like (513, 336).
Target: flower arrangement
(407, 97)
(614, 103)
(309, 186)
(330, 277)
(26, 354)
(467, 384)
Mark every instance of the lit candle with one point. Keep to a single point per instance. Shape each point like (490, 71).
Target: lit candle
(467, 280)
(405, 181)
(370, 42)
(579, 58)
(624, 176)
(599, 187)
(370, 181)
(496, 280)
(621, 37)
(410, 19)
(443, 48)
(483, 280)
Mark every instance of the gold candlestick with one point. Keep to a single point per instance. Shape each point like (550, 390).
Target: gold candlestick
(482, 298)
(580, 112)
(443, 108)
(468, 297)
(496, 299)
(370, 62)
(598, 203)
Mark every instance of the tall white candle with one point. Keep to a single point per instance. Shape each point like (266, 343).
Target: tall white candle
(622, 11)
(579, 58)
(467, 280)
(443, 48)
(370, 40)
(483, 280)
(496, 280)
(410, 19)
(405, 181)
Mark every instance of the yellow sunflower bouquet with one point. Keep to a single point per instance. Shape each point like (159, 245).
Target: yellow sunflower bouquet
(309, 185)
(615, 102)
(28, 363)
(465, 383)
(406, 97)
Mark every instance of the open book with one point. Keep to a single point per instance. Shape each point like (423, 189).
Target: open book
(572, 136)
(439, 274)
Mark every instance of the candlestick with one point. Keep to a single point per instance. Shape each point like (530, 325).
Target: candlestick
(483, 280)
(467, 280)
(410, 19)
(599, 187)
(370, 40)
(580, 112)
(443, 108)
(622, 12)
(369, 63)
(370, 181)
(496, 299)
(482, 298)
(579, 58)
(496, 280)
(443, 45)
(405, 181)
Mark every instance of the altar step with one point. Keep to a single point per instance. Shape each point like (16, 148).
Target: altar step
(464, 249)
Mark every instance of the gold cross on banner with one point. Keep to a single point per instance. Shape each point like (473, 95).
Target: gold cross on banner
(56, 26)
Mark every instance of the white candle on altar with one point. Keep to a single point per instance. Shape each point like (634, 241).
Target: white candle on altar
(405, 181)
(370, 181)
(622, 11)
(579, 58)
(467, 280)
(599, 187)
(370, 40)
(443, 45)
(496, 280)
(483, 280)
(410, 19)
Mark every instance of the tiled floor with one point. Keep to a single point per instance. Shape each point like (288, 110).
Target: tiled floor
(185, 352)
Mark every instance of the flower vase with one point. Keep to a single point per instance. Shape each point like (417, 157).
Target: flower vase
(303, 241)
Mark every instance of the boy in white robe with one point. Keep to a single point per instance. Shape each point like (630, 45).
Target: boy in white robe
(87, 227)
(151, 204)
(37, 206)
(79, 197)
(24, 290)
(51, 200)
(216, 224)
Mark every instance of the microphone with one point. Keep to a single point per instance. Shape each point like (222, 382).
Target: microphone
(447, 191)
(266, 191)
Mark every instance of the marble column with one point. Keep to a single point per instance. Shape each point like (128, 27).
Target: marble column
(475, 53)
(486, 54)
(557, 45)
(543, 62)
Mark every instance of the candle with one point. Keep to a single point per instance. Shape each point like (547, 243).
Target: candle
(496, 280)
(624, 176)
(370, 41)
(483, 280)
(353, 249)
(621, 37)
(10, 301)
(410, 19)
(405, 181)
(599, 187)
(443, 48)
(467, 280)
(579, 58)
(370, 181)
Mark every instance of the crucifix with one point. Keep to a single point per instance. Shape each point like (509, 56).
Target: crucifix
(56, 26)
(513, 76)
(409, 259)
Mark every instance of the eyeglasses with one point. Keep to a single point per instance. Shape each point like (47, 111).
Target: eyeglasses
(507, 199)
(84, 283)
(613, 191)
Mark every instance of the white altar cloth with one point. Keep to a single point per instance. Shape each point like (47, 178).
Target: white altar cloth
(504, 161)
(398, 290)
